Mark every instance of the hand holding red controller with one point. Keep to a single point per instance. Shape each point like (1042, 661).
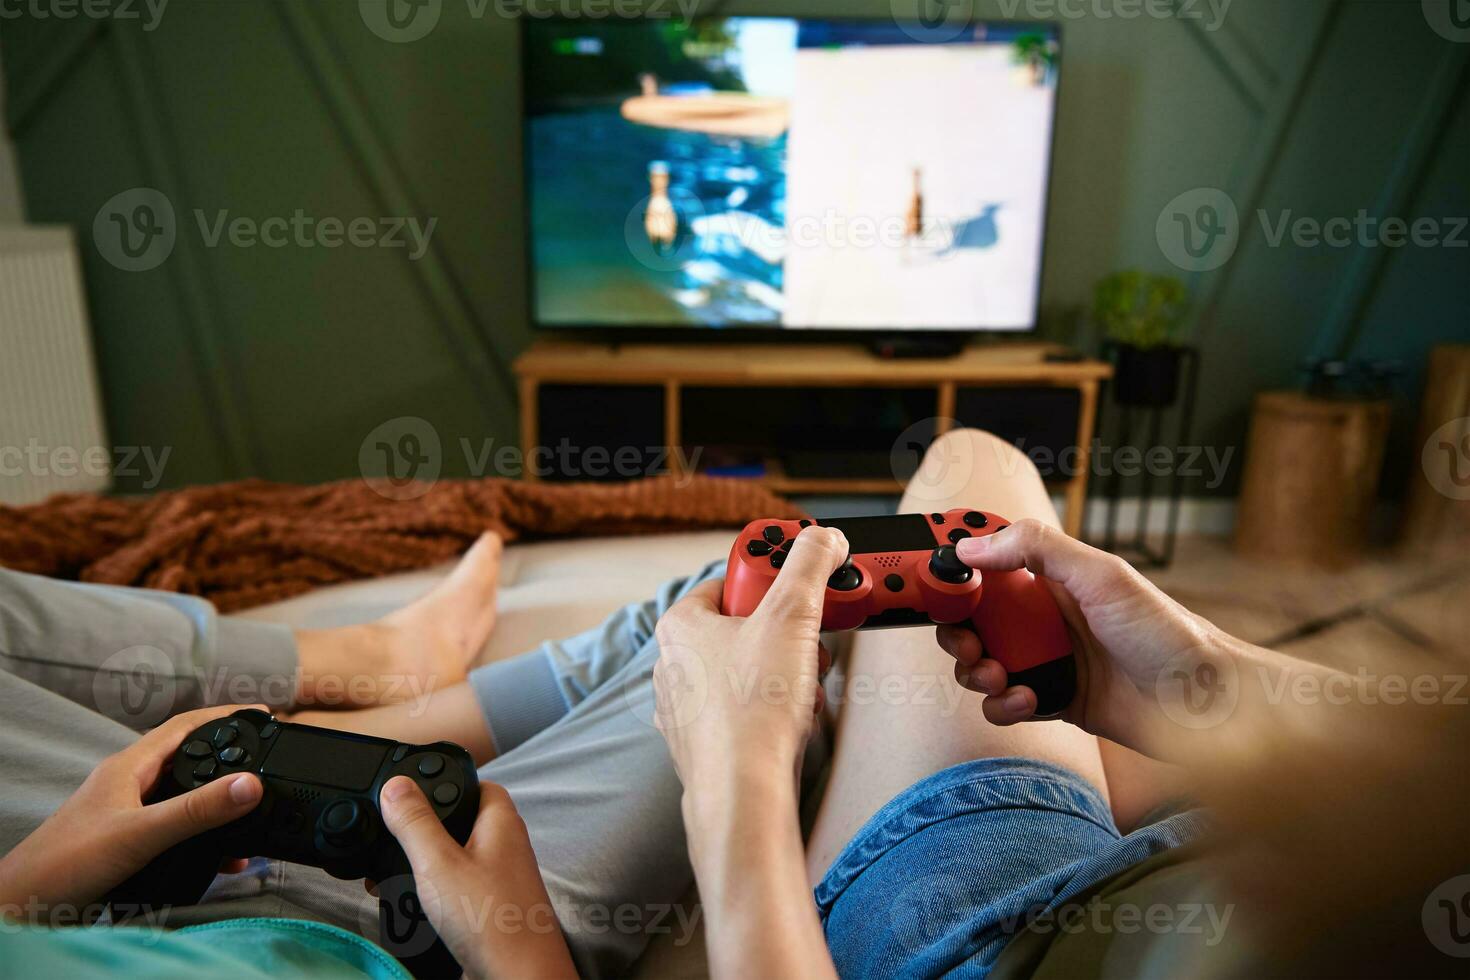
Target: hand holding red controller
(903, 571)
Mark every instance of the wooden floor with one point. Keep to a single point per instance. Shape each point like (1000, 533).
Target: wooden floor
(1363, 616)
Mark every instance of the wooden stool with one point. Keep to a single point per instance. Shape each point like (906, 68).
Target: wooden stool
(1437, 511)
(1311, 478)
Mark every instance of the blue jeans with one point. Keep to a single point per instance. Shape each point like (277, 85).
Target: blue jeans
(942, 877)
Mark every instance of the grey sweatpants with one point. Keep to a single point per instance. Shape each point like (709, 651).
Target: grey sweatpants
(83, 668)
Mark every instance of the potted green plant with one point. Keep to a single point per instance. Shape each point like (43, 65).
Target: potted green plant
(1037, 53)
(1142, 316)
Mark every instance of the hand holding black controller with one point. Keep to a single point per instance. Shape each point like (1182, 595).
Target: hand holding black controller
(319, 808)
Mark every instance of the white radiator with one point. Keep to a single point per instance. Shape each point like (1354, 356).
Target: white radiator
(52, 434)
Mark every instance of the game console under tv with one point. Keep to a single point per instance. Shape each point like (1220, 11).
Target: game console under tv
(899, 342)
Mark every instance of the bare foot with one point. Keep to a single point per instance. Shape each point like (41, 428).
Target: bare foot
(423, 647)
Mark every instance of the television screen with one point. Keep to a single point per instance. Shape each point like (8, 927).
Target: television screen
(787, 174)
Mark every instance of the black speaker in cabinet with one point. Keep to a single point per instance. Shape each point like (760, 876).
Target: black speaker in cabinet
(599, 433)
(1041, 422)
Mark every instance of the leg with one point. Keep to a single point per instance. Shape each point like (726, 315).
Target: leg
(52, 745)
(140, 655)
(425, 646)
(1138, 785)
(886, 744)
(505, 703)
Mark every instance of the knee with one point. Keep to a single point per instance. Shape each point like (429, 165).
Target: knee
(981, 454)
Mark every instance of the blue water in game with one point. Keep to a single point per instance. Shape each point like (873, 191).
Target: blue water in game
(590, 173)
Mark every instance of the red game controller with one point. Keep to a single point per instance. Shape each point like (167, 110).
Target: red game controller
(903, 571)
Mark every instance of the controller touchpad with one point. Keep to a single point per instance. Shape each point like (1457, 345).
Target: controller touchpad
(340, 762)
(877, 535)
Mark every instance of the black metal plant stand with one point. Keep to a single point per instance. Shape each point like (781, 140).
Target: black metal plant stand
(1153, 419)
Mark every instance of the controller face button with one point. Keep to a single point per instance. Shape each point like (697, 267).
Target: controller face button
(805, 524)
(232, 755)
(976, 519)
(778, 559)
(225, 735)
(205, 769)
(758, 549)
(957, 535)
(786, 545)
(269, 730)
(947, 567)
(846, 578)
(198, 749)
(937, 518)
(431, 765)
(445, 794)
(773, 535)
(894, 583)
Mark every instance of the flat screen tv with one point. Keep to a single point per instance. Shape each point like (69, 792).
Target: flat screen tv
(770, 174)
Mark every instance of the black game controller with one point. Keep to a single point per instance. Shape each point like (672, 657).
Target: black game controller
(320, 808)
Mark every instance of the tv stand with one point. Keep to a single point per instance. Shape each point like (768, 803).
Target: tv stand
(898, 347)
(665, 370)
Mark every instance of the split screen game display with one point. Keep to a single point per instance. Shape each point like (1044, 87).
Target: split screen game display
(760, 172)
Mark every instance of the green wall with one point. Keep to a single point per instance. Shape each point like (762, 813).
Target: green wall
(276, 362)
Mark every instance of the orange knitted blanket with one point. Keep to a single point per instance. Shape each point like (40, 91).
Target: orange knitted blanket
(249, 543)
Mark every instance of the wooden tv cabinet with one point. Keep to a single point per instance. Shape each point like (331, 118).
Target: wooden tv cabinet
(672, 367)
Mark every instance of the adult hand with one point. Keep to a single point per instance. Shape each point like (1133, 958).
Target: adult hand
(485, 899)
(1124, 630)
(741, 695)
(106, 831)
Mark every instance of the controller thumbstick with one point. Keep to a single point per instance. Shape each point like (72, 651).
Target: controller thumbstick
(341, 822)
(846, 578)
(946, 566)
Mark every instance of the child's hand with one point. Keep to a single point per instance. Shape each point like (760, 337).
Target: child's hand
(486, 900)
(104, 833)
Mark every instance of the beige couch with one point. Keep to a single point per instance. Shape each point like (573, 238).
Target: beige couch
(547, 589)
